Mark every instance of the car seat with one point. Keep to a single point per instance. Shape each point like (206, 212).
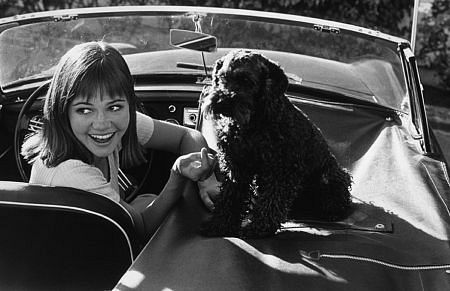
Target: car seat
(60, 238)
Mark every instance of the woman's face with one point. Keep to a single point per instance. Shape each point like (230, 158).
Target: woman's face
(99, 123)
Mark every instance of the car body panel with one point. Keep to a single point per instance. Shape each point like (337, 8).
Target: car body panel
(395, 239)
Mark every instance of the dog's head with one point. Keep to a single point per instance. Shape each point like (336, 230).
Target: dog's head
(244, 84)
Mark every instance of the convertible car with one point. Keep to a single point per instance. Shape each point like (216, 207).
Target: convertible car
(359, 86)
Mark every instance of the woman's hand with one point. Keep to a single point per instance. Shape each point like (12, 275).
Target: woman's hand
(209, 189)
(195, 166)
(199, 167)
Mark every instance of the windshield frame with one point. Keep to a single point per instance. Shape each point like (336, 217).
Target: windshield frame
(289, 19)
(327, 26)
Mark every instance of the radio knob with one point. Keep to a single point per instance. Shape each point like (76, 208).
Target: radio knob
(172, 108)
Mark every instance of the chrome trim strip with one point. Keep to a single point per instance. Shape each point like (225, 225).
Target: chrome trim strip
(174, 10)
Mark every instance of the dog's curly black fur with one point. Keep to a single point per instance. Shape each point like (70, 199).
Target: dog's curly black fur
(274, 161)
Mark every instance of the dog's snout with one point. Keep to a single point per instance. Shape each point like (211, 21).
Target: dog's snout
(218, 101)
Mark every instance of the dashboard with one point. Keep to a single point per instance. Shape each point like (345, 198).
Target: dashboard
(179, 107)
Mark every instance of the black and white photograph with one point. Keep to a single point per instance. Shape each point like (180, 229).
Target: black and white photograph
(225, 145)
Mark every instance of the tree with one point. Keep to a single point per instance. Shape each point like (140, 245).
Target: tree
(434, 49)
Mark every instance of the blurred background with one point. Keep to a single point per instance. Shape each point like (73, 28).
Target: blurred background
(431, 41)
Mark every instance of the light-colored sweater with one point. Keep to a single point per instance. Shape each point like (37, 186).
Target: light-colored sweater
(77, 174)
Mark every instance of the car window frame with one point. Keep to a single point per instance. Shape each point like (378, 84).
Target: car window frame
(416, 100)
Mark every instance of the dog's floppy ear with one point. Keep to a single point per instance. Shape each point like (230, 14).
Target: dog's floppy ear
(217, 66)
(273, 88)
(276, 79)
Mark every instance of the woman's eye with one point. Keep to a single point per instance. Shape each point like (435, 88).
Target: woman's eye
(84, 110)
(115, 107)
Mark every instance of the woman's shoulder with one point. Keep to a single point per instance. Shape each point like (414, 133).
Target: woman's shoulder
(74, 164)
(70, 163)
(68, 173)
(74, 170)
(144, 127)
(77, 174)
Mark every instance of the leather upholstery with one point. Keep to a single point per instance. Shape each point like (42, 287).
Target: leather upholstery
(58, 238)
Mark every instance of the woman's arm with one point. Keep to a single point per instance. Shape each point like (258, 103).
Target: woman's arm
(195, 167)
(174, 138)
(156, 211)
(178, 139)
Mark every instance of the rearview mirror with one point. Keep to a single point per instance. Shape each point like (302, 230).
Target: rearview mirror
(193, 40)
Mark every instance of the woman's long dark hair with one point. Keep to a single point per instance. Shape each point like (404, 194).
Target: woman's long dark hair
(89, 69)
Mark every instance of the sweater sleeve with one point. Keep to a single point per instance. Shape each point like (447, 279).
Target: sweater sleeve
(76, 174)
(144, 127)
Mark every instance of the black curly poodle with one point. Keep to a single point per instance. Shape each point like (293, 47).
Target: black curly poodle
(274, 162)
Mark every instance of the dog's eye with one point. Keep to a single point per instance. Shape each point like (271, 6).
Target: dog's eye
(246, 79)
(241, 76)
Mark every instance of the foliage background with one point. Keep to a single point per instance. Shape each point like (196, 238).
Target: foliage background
(393, 17)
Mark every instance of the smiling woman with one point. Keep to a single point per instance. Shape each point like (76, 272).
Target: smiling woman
(99, 124)
(89, 116)
(83, 74)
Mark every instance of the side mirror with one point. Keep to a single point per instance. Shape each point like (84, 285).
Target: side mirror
(193, 40)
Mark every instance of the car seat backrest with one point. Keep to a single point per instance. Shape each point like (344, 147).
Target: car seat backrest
(59, 238)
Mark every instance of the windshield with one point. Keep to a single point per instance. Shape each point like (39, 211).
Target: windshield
(313, 56)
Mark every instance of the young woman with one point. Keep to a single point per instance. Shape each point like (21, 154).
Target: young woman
(90, 115)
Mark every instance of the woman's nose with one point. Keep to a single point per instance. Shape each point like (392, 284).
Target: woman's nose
(101, 121)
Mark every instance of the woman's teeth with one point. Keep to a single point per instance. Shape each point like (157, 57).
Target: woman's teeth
(101, 138)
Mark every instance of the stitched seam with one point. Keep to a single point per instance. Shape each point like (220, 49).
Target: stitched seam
(436, 189)
(117, 203)
(318, 256)
(386, 264)
(444, 168)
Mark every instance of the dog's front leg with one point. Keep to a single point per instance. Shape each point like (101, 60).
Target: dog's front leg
(270, 207)
(225, 219)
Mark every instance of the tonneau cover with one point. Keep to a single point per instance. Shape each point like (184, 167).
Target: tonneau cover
(397, 238)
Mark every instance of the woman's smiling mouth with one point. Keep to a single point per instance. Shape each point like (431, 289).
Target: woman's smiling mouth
(102, 138)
